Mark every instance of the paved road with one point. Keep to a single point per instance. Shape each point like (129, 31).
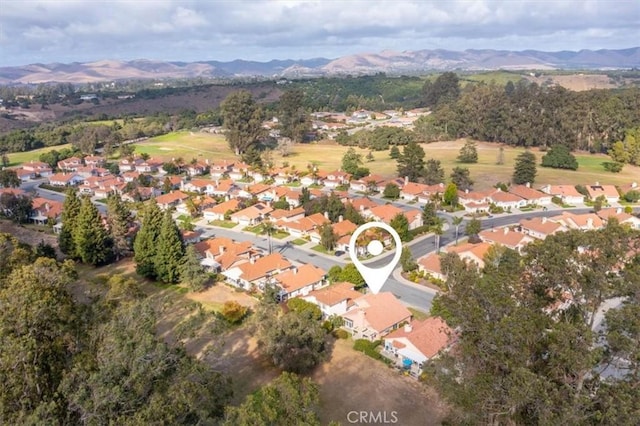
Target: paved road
(414, 296)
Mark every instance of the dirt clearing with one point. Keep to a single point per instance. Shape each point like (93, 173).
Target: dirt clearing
(351, 381)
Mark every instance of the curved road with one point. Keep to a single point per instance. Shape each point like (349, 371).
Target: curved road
(412, 295)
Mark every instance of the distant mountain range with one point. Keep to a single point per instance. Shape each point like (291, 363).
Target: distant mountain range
(391, 62)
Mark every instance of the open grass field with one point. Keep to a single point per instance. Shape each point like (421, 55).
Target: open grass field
(328, 156)
(187, 145)
(18, 158)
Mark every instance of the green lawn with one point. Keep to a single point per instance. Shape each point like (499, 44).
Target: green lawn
(320, 249)
(255, 229)
(280, 234)
(299, 242)
(18, 158)
(223, 223)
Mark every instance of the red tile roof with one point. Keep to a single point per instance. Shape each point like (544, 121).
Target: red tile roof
(429, 336)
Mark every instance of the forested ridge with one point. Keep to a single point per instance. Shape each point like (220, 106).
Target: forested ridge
(525, 114)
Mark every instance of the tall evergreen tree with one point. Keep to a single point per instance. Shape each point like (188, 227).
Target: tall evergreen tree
(119, 222)
(429, 214)
(91, 240)
(191, 271)
(70, 210)
(462, 178)
(411, 162)
(242, 120)
(145, 244)
(170, 251)
(524, 170)
(294, 122)
(433, 172)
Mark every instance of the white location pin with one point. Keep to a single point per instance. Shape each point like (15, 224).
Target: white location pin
(375, 277)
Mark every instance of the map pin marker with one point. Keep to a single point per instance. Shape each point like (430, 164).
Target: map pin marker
(375, 277)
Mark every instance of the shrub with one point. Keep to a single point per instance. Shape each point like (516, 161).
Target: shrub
(234, 312)
(303, 307)
(368, 348)
(632, 196)
(613, 166)
(341, 334)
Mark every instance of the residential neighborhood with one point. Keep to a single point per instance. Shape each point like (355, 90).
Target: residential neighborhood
(229, 197)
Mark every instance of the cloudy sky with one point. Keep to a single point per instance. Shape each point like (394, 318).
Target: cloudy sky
(47, 31)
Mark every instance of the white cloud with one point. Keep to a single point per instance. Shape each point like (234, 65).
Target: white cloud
(34, 31)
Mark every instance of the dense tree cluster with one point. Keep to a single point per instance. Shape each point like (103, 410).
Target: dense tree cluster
(528, 349)
(64, 363)
(288, 400)
(378, 139)
(293, 341)
(158, 247)
(559, 157)
(525, 114)
(84, 235)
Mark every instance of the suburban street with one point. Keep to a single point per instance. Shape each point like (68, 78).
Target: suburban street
(410, 294)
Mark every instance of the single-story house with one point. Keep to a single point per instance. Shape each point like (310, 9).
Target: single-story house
(567, 193)
(171, 199)
(335, 299)
(417, 342)
(44, 209)
(540, 227)
(375, 315)
(65, 179)
(506, 237)
(386, 212)
(299, 281)
(532, 196)
(430, 264)
(473, 253)
(257, 272)
(609, 192)
(218, 212)
(252, 214)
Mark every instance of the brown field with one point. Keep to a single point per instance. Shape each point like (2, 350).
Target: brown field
(328, 156)
(576, 82)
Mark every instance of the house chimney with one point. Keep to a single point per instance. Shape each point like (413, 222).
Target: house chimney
(544, 220)
(326, 215)
(206, 161)
(295, 271)
(634, 184)
(597, 184)
(340, 218)
(221, 249)
(506, 230)
(589, 222)
(406, 180)
(528, 184)
(619, 210)
(408, 328)
(290, 207)
(252, 260)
